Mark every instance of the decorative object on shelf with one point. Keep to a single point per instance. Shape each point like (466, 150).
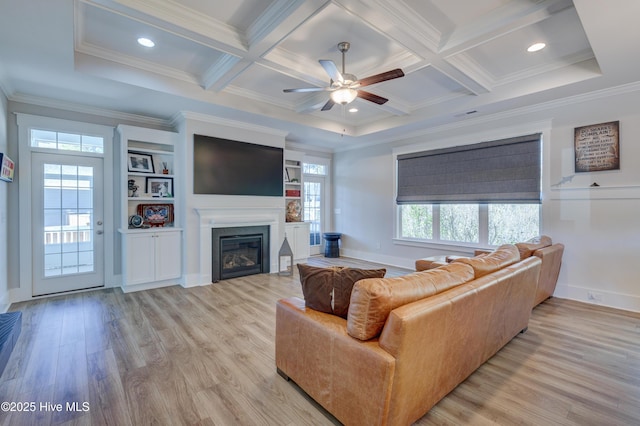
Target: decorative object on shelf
(156, 214)
(165, 169)
(285, 258)
(160, 187)
(294, 211)
(295, 180)
(132, 187)
(7, 167)
(286, 175)
(292, 192)
(597, 147)
(135, 221)
(139, 162)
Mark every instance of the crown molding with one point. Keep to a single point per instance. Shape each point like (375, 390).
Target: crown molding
(84, 109)
(205, 118)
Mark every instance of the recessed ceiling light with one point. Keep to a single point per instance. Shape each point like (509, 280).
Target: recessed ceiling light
(143, 41)
(535, 47)
(353, 109)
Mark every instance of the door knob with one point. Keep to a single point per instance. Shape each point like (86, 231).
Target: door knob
(99, 232)
(99, 222)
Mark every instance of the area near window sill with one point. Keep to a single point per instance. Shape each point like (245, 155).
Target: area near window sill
(466, 248)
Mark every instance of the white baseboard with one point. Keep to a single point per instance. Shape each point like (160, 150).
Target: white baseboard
(626, 302)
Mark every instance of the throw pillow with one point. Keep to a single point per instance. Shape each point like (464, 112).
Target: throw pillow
(343, 285)
(329, 289)
(317, 287)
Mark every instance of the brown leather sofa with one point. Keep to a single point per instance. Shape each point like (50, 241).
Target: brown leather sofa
(407, 341)
(542, 247)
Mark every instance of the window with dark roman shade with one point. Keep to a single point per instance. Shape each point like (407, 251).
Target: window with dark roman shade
(504, 171)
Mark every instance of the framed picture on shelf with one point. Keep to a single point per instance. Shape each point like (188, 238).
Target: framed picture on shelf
(160, 187)
(156, 214)
(138, 162)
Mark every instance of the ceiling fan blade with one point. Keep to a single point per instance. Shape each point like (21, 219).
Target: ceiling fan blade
(328, 105)
(332, 70)
(389, 75)
(307, 89)
(371, 97)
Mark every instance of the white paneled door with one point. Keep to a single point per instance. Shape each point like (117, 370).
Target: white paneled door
(67, 223)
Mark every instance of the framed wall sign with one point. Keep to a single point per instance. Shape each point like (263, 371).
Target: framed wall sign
(597, 147)
(7, 168)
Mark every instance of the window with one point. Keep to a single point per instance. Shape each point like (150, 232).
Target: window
(470, 224)
(314, 184)
(66, 141)
(314, 169)
(484, 194)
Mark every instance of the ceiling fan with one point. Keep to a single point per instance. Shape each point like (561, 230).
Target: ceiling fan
(345, 87)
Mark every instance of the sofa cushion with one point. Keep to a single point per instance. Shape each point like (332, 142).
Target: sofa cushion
(373, 299)
(503, 256)
(528, 247)
(329, 289)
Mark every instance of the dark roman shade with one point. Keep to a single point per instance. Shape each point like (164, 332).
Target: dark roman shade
(504, 171)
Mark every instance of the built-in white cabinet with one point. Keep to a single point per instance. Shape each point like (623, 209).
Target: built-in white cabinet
(152, 257)
(298, 237)
(149, 208)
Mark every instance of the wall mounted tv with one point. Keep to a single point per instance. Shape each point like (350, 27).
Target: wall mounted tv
(226, 167)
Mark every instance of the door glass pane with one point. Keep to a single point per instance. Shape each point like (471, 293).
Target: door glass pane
(68, 219)
(313, 210)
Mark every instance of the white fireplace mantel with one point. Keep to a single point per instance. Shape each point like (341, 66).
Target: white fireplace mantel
(224, 217)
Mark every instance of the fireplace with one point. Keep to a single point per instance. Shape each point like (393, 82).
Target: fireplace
(239, 251)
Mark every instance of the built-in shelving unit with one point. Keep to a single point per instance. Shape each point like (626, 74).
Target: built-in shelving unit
(296, 229)
(149, 211)
(293, 187)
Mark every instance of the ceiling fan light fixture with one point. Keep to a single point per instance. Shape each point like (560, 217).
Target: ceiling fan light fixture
(344, 96)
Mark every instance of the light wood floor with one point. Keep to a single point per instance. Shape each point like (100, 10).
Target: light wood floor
(205, 356)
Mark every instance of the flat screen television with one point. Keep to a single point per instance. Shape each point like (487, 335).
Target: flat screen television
(227, 167)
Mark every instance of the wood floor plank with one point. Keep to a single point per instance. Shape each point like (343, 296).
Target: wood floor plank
(205, 356)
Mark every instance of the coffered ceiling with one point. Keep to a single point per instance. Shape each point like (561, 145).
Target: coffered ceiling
(232, 59)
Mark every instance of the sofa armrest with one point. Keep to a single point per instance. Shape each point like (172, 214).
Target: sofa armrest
(351, 379)
(551, 257)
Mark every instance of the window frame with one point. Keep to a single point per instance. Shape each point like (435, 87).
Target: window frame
(429, 142)
(437, 242)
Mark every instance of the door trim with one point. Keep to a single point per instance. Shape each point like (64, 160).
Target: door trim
(25, 123)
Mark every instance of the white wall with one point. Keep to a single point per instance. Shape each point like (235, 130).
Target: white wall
(600, 227)
(190, 124)
(4, 211)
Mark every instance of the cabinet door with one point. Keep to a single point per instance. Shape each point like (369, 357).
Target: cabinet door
(302, 241)
(140, 259)
(298, 236)
(168, 256)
